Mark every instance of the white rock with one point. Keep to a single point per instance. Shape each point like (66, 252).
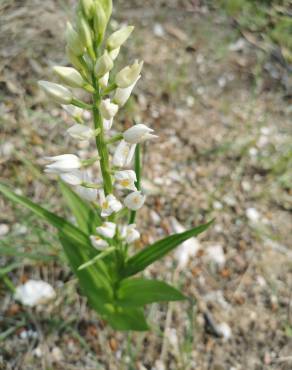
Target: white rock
(57, 354)
(217, 205)
(215, 253)
(238, 45)
(159, 365)
(253, 152)
(188, 249)
(225, 330)
(158, 30)
(253, 215)
(4, 229)
(34, 292)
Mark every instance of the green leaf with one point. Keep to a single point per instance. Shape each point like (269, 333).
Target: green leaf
(154, 252)
(87, 219)
(107, 7)
(94, 281)
(139, 292)
(128, 319)
(60, 223)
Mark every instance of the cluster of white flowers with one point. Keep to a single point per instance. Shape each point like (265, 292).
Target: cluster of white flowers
(93, 72)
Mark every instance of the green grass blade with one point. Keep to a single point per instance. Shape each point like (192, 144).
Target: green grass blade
(154, 252)
(60, 223)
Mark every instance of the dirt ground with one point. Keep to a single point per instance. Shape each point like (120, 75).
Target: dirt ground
(222, 115)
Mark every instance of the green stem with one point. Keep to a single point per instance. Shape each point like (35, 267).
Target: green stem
(138, 171)
(101, 142)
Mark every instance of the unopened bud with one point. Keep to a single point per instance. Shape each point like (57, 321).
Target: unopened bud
(128, 75)
(74, 59)
(99, 22)
(69, 76)
(87, 7)
(85, 32)
(58, 93)
(103, 65)
(73, 40)
(119, 37)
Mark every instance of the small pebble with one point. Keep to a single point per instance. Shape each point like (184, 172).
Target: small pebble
(4, 229)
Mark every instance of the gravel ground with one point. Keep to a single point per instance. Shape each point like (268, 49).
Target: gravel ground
(224, 151)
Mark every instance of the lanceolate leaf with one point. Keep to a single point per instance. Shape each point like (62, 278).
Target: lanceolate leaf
(94, 281)
(87, 219)
(60, 223)
(128, 319)
(152, 253)
(139, 292)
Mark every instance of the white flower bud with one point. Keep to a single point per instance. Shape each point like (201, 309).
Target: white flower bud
(75, 112)
(87, 6)
(86, 193)
(138, 133)
(62, 163)
(85, 32)
(107, 123)
(34, 292)
(134, 201)
(97, 242)
(103, 65)
(73, 178)
(114, 53)
(69, 76)
(128, 75)
(109, 204)
(80, 132)
(107, 109)
(119, 37)
(123, 154)
(126, 179)
(107, 229)
(58, 93)
(99, 21)
(73, 40)
(103, 81)
(132, 234)
(122, 95)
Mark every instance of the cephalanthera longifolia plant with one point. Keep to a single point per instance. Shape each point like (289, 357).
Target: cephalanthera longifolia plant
(98, 246)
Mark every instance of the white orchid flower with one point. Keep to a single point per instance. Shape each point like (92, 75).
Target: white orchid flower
(114, 53)
(128, 75)
(103, 81)
(107, 123)
(124, 154)
(117, 38)
(62, 163)
(108, 109)
(69, 76)
(56, 92)
(86, 193)
(73, 178)
(75, 112)
(103, 65)
(81, 132)
(122, 95)
(109, 204)
(132, 234)
(107, 229)
(135, 200)
(126, 179)
(97, 242)
(138, 133)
